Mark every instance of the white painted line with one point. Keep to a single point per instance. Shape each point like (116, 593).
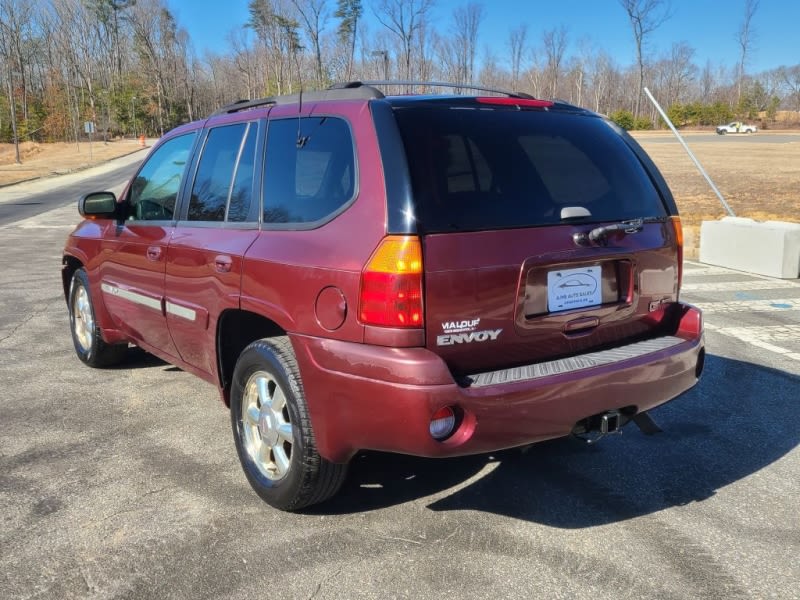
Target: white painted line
(771, 333)
(690, 271)
(739, 286)
(777, 305)
(755, 336)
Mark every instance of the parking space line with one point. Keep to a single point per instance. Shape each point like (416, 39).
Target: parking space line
(739, 286)
(750, 306)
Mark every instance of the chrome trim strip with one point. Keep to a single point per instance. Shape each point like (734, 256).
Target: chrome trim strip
(181, 311)
(130, 296)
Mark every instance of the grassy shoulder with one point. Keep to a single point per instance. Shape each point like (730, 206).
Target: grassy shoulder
(41, 160)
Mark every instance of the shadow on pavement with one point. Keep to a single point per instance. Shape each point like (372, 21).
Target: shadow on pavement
(710, 440)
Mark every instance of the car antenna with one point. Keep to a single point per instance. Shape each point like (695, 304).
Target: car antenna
(301, 141)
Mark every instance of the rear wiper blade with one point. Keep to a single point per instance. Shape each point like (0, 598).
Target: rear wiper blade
(599, 235)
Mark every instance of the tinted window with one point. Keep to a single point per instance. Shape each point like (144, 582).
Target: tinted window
(242, 189)
(477, 169)
(310, 169)
(155, 189)
(212, 184)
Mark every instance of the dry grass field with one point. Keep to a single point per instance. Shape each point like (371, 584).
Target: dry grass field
(40, 160)
(759, 178)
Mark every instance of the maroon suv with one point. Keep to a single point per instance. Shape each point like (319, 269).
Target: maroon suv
(426, 274)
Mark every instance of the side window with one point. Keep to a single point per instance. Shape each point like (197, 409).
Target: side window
(310, 169)
(215, 173)
(155, 189)
(242, 190)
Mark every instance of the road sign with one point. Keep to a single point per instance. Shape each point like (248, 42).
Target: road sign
(88, 127)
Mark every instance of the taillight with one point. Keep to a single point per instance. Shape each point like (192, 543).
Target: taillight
(391, 284)
(676, 225)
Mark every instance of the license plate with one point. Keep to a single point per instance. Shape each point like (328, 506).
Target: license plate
(574, 288)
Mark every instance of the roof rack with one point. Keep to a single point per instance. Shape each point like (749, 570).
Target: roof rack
(455, 86)
(340, 92)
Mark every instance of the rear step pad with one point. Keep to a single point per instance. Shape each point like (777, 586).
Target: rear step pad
(574, 363)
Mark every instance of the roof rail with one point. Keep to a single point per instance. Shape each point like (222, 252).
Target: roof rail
(455, 86)
(242, 105)
(343, 92)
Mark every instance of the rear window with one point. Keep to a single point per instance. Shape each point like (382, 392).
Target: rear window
(480, 168)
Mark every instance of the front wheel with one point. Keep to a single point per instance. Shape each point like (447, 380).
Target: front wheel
(89, 344)
(272, 429)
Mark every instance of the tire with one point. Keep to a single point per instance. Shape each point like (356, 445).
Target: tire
(86, 336)
(272, 429)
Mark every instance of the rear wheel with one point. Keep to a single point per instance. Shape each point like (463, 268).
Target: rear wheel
(89, 344)
(272, 429)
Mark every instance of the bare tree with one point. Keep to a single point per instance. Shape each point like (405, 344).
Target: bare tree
(314, 16)
(466, 22)
(403, 18)
(744, 37)
(15, 22)
(516, 47)
(678, 71)
(555, 45)
(645, 16)
(276, 29)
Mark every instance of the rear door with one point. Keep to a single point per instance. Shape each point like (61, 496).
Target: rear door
(218, 225)
(507, 200)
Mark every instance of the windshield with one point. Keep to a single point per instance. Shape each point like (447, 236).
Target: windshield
(481, 168)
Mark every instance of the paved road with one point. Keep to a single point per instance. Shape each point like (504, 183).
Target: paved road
(36, 197)
(124, 483)
(764, 137)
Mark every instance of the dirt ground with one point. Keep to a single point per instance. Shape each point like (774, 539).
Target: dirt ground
(39, 160)
(758, 179)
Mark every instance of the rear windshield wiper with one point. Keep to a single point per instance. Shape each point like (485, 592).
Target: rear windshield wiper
(599, 236)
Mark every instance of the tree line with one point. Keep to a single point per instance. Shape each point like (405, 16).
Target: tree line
(130, 68)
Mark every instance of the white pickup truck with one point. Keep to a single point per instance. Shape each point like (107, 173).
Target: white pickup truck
(736, 127)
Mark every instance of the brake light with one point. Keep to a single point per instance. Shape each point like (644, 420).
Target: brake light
(391, 284)
(524, 102)
(678, 228)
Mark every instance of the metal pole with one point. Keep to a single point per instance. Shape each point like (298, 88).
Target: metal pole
(689, 152)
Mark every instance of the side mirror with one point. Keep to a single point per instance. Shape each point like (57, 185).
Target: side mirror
(98, 205)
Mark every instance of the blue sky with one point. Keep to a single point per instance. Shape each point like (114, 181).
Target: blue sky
(709, 26)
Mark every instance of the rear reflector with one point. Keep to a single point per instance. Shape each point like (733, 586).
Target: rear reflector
(443, 422)
(522, 102)
(391, 284)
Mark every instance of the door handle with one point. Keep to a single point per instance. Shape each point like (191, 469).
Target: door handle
(154, 253)
(222, 263)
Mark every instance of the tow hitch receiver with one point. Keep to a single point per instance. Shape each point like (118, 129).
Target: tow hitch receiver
(596, 427)
(610, 422)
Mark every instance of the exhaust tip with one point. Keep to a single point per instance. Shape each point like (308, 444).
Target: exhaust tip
(701, 362)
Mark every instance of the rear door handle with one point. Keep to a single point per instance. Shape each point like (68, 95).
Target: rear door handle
(222, 263)
(154, 253)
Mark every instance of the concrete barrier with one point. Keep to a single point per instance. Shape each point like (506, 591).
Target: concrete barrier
(769, 248)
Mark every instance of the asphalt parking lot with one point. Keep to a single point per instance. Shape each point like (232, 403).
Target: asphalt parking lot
(124, 483)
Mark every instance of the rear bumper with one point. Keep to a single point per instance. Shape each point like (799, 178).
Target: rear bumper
(371, 397)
